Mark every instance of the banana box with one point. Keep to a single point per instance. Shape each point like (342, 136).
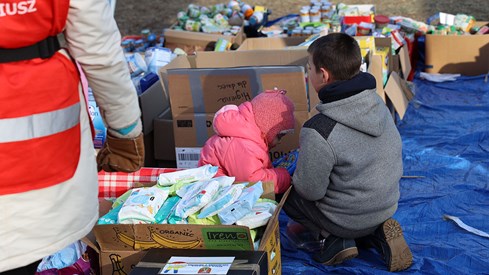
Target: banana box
(122, 246)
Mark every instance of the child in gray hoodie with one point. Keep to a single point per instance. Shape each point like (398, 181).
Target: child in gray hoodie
(346, 184)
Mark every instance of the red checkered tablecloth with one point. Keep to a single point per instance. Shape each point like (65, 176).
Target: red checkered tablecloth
(114, 184)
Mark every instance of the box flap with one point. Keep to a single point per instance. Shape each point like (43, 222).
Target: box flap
(270, 43)
(375, 68)
(206, 90)
(269, 230)
(91, 241)
(152, 102)
(405, 62)
(394, 91)
(179, 62)
(406, 90)
(296, 57)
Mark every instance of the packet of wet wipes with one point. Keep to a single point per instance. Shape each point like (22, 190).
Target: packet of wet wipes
(211, 220)
(181, 187)
(242, 206)
(166, 209)
(194, 201)
(261, 212)
(142, 205)
(201, 173)
(122, 198)
(176, 220)
(225, 197)
(111, 216)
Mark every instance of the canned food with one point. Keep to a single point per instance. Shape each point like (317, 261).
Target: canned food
(139, 45)
(192, 25)
(127, 45)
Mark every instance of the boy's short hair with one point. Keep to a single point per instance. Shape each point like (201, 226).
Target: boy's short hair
(338, 53)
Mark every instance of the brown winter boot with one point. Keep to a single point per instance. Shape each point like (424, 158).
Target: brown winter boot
(389, 240)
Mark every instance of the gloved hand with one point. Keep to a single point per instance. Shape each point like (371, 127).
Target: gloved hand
(124, 155)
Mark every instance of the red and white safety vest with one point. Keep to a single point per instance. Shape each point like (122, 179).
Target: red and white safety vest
(39, 101)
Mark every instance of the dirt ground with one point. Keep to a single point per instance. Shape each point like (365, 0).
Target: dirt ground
(132, 16)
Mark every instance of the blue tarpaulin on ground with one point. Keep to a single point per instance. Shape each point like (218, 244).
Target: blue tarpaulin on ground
(445, 135)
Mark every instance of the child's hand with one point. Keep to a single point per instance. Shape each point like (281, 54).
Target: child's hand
(288, 161)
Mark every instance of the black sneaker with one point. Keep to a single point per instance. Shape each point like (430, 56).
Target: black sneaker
(336, 250)
(390, 242)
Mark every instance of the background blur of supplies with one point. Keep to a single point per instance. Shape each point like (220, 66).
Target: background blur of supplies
(238, 34)
(225, 53)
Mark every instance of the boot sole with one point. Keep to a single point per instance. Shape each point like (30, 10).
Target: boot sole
(342, 256)
(401, 256)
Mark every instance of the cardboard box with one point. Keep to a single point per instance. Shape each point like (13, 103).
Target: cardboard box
(395, 91)
(270, 43)
(203, 90)
(152, 103)
(462, 54)
(191, 42)
(149, 158)
(293, 57)
(164, 141)
(245, 262)
(121, 246)
(193, 130)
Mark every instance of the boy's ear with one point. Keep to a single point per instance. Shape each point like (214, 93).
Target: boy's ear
(325, 76)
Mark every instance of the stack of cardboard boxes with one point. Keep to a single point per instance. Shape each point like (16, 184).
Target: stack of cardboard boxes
(200, 85)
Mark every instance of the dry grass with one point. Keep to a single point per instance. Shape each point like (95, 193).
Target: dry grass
(132, 16)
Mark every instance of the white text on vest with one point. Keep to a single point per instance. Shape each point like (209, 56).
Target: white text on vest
(19, 8)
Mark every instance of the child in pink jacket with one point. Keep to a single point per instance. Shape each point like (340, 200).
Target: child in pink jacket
(245, 134)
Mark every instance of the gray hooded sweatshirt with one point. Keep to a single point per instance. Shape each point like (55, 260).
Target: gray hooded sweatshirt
(350, 159)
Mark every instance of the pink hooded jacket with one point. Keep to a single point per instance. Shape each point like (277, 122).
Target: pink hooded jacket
(240, 149)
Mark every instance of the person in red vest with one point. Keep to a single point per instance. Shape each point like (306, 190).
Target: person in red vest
(48, 166)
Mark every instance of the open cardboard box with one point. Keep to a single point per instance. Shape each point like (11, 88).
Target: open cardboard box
(191, 42)
(121, 246)
(200, 85)
(457, 54)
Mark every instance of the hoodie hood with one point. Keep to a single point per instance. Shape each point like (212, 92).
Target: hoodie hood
(239, 122)
(354, 103)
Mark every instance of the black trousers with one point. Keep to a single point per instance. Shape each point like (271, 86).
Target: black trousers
(306, 213)
(25, 270)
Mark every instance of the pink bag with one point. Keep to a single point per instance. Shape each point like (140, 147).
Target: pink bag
(80, 267)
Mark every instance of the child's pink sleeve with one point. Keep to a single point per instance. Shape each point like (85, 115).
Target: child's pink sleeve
(283, 180)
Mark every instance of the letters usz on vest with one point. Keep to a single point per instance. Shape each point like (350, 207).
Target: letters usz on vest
(19, 8)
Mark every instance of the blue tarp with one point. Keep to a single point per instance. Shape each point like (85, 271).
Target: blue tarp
(445, 135)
